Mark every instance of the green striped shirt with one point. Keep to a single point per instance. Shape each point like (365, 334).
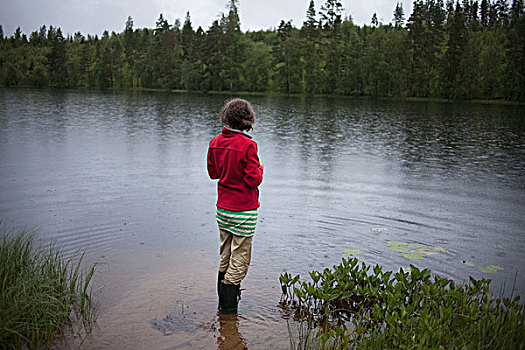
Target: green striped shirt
(241, 223)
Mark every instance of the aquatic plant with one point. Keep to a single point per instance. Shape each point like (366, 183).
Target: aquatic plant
(40, 291)
(414, 251)
(352, 251)
(354, 305)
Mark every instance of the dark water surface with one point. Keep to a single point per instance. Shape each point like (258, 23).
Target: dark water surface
(122, 176)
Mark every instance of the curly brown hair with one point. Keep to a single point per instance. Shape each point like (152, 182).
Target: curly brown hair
(238, 114)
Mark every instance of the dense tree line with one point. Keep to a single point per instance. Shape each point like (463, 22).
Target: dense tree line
(462, 50)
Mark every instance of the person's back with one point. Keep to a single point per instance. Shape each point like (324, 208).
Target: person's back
(232, 159)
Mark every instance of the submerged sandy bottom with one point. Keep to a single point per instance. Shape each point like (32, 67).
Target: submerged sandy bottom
(173, 305)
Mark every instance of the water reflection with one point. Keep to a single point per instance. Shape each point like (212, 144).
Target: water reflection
(471, 141)
(230, 338)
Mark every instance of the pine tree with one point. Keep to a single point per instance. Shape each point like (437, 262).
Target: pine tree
(187, 37)
(331, 49)
(16, 39)
(493, 15)
(129, 40)
(162, 25)
(212, 79)
(104, 66)
(455, 45)
(484, 13)
(502, 10)
(331, 14)
(515, 68)
(190, 78)
(516, 12)
(309, 28)
(421, 48)
(282, 57)
(232, 51)
(87, 59)
(399, 15)
(310, 50)
(374, 21)
(57, 59)
(466, 11)
(376, 78)
(474, 17)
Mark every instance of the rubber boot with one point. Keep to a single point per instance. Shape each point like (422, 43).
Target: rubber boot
(220, 277)
(228, 298)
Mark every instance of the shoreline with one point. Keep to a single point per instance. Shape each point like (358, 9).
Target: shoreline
(499, 102)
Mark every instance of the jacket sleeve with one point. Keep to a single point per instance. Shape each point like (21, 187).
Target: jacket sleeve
(253, 172)
(212, 171)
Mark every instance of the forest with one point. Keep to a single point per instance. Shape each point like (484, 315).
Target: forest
(459, 50)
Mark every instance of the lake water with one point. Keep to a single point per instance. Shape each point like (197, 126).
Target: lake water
(122, 177)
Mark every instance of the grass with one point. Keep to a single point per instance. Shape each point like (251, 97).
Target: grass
(40, 292)
(356, 306)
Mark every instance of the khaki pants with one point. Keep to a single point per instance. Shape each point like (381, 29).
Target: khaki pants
(236, 252)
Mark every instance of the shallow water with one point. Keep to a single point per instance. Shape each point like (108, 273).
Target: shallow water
(122, 176)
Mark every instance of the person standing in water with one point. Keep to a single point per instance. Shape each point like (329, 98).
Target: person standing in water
(232, 159)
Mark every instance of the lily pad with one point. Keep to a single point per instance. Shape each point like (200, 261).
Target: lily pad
(440, 249)
(351, 251)
(498, 246)
(413, 255)
(468, 263)
(395, 243)
(418, 246)
(491, 269)
(414, 250)
(399, 248)
(427, 250)
(379, 229)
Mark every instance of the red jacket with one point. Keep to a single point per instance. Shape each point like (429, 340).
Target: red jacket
(232, 158)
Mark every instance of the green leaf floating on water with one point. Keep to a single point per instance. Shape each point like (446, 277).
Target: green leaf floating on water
(351, 251)
(399, 248)
(498, 246)
(417, 246)
(413, 255)
(379, 229)
(395, 243)
(414, 250)
(440, 249)
(427, 251)
(491, 269)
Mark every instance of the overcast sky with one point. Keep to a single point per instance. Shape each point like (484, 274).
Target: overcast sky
(95, 16)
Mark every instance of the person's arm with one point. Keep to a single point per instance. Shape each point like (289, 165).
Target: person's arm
(253, 171)
(212, 172)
